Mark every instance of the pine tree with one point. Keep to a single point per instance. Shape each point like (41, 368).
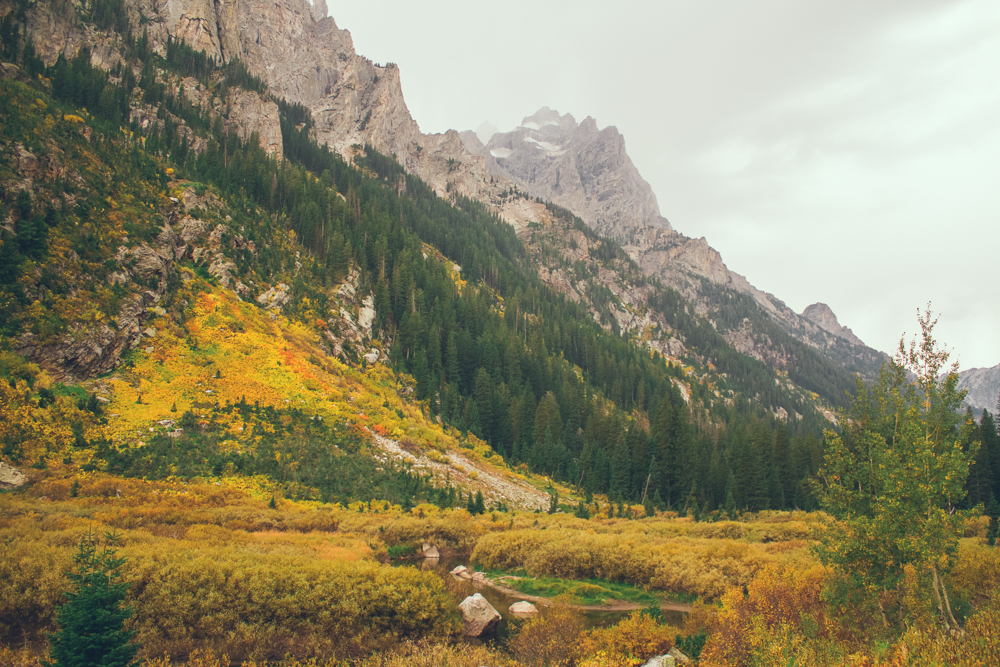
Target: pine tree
(993, 531)
(991, 449)
(981, 484)
(648, 506)
(91, 622)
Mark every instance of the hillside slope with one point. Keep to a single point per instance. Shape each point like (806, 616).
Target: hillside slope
(628, 390)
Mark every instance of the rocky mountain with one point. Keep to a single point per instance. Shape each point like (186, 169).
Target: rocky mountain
(577, 166)
(983, 387)
(303, 57)
(588, 172)
(820, 314)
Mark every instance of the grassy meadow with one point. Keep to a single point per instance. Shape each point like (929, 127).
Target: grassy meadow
(219, 577)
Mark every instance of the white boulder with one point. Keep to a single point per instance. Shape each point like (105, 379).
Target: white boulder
(479, 616)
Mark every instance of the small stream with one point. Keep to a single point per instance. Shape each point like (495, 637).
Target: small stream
(501, 601)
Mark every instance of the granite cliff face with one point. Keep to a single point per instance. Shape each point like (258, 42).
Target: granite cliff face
(304, 57)
(983, 387)
(577, 166)
(820, 314)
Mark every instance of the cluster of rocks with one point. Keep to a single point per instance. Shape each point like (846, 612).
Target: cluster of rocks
(480, 617)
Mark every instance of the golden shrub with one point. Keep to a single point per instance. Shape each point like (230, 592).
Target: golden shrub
(978, 646)
(632, 641)
(778, 608)
(238, 602)
(426, 654)
(31, 587)
(552, 639)
(508, 550)
(23, 658)
(976, 573)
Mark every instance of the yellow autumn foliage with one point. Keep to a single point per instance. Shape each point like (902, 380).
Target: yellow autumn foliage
(665, 554)
(628, 644)
(213, 568)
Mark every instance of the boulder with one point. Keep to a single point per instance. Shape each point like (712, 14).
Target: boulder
(462, 572)
(479, 616)
(27, 163)
(10, 477)
(479, 577)
(431, 551)
(523, 609)
(671, 658)
(275, 298)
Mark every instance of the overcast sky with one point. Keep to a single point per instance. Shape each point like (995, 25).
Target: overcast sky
(843, 151)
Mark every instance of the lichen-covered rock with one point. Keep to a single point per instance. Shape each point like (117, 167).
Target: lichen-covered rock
(479, 616)
(275, 298)
(222, 268)
(10, 477)
(190, 229)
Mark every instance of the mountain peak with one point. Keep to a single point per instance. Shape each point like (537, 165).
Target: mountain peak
(548, 117)
(578, 167)
(821, 315)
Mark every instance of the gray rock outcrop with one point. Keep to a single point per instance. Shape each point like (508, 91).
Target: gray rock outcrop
(577, 166)
(479, 616)
(10, 477)
(820, 314)
(983, 387)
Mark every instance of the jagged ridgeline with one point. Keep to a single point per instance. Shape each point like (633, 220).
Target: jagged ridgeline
(97, 161)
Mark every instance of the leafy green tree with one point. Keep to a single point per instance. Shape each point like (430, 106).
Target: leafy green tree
(895, 475)
(92, 622)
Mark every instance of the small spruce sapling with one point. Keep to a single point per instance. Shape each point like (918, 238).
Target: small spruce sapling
(92, 621)
(554, 501)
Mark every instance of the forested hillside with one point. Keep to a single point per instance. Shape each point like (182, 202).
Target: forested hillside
(491, 349)
(270, 366)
